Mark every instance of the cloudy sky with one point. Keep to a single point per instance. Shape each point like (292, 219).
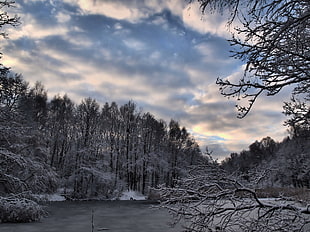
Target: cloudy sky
(162, 54)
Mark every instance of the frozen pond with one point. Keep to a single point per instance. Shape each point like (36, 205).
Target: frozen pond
(114, 216)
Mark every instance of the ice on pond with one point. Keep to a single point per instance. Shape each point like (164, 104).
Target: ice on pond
(116, 216)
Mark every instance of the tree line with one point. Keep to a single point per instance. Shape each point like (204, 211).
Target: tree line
(87, 149)
(284, 164)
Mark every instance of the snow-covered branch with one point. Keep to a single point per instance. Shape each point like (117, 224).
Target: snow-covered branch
(223, 204)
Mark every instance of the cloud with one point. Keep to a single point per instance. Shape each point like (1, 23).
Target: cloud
(137, 10)
(132, 10)
(213, 23)
(158, 53)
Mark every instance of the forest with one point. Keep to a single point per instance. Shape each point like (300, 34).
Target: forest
(88, 150)
(286, 163)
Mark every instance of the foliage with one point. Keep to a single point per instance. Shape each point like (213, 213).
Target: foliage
(272, 38)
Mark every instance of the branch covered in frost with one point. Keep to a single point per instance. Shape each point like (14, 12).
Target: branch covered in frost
(272, 39)
(210, 201)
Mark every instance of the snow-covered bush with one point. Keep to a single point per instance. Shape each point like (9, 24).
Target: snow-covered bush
(41, 178)
(14, 209)
(21, 174)
(94, 183)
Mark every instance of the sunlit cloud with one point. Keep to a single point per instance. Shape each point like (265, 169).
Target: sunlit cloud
(162, 54)
(213, 23)
(132, 11)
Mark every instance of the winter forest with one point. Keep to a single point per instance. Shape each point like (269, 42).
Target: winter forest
(98, 151)
(90, 151)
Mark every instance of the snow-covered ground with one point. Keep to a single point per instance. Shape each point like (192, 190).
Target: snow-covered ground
(126, 195)
(50, 197)
(55, 197)
(132, 195)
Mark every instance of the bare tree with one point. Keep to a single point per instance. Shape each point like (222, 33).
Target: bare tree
(208, 200)
(299, 113)
(273, 39)
(6, 20)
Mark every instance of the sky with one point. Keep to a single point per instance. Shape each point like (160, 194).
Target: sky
(164, 55)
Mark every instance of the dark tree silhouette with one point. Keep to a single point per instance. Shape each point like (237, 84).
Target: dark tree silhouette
(273, 39)
(6, 20)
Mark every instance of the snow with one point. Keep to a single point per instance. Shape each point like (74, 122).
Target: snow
(49, 197)
(55, 197)
(127, 195)
(132, 195)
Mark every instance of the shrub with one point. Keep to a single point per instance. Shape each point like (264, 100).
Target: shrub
(14, 209)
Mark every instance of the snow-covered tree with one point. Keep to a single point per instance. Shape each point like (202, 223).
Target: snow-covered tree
(273, 39)
(60, 127)
(211, 200)
(299, 116)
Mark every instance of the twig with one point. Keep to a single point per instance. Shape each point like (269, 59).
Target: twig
(92, 221)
